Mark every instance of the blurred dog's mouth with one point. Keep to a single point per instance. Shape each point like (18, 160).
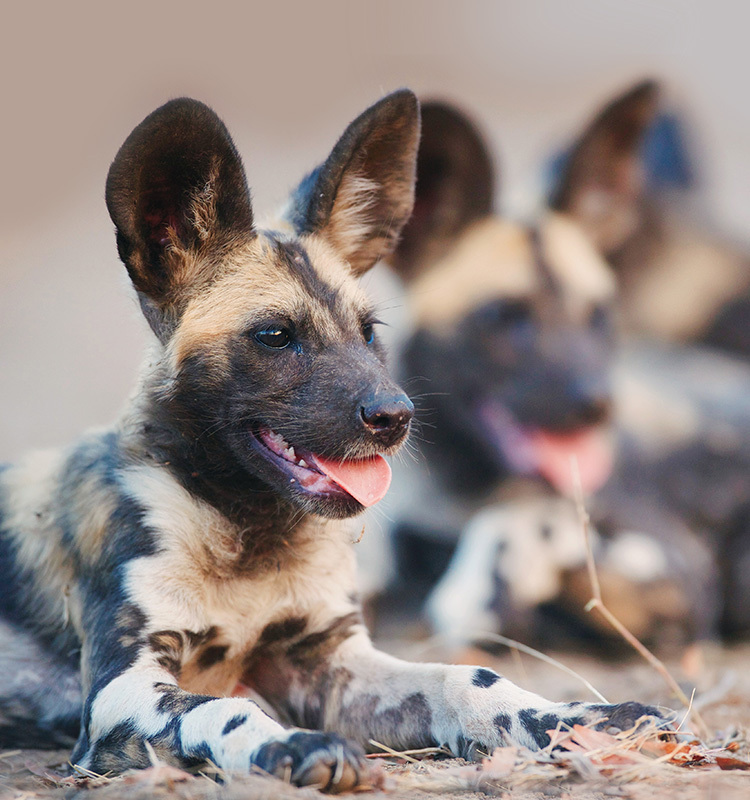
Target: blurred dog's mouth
(365, 480)
(584, 453)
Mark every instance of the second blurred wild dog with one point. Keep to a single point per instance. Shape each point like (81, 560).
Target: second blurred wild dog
(510, 365)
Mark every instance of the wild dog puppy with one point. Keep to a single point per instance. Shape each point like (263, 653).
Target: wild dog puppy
(678, 279)
(510, 360)
(200, 543)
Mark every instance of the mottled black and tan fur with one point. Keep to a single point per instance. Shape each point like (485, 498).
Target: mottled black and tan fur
(157, 576)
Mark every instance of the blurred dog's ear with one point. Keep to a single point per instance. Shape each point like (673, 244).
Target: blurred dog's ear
(603, 179)
(362, 195)
(455, 187)
(178, 196)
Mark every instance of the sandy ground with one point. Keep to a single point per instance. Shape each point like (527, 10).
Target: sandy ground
(720, 677)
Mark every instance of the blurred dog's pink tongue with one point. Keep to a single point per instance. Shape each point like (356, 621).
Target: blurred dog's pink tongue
(367, 480)
(592, 449)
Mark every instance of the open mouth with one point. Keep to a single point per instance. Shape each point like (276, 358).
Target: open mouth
(366, 480)
(554, 455)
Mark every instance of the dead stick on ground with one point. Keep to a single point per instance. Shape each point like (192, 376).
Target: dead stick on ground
(596, 602)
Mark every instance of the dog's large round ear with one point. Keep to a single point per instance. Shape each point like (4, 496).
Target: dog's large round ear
(362, 195)
(455, 187)
(175, 191)
(602, 180)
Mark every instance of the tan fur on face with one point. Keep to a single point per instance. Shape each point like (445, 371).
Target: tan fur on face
(495, 259)
(253, 286)
(492, 258)
(574, 262)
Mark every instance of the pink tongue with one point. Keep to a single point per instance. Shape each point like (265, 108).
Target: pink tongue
(592, 449)
(367, 480)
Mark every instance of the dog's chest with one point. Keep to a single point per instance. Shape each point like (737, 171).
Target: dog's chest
(221, 620)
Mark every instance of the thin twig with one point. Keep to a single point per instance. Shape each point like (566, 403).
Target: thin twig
(391, 752)
(421, 751)
(489, 636)
(689, 709)
(516, 654)
(596, 602)
(87, 773)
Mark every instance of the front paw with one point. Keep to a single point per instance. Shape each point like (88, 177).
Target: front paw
(307, 758)
(530, 726)
(624, 716)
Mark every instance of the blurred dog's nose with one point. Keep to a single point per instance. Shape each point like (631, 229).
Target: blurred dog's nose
(588, 404)
(387, 418)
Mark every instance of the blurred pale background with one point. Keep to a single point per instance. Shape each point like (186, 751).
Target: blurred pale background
(286, 77)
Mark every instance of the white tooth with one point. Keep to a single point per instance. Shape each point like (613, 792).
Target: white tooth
(302, 462)
(290, 452)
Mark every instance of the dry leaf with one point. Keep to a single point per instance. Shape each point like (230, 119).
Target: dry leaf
(729, 762)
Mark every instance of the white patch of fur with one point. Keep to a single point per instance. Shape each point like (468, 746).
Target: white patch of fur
(233, 751)
(532, 565)
(460, 603)
(637, 557)
(189, 584)
(130, 697)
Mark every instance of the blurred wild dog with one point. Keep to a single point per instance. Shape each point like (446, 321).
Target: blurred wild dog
(510, 363)
(628, 181)
(198, 548)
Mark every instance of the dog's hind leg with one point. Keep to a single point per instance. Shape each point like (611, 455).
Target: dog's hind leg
(40, 693)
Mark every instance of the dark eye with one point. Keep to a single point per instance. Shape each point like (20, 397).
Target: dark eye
(368, 331)
(277, 338)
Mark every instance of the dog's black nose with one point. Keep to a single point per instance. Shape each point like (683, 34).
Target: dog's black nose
(588, 403)
(387, 417)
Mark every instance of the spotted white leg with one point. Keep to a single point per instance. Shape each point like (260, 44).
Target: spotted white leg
(366, 695)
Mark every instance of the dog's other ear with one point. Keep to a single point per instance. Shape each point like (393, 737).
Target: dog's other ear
(360, 198)
(455, 187)
(603, 180)
(178, 196)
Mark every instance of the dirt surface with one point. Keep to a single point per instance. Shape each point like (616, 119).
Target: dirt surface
(721, 679)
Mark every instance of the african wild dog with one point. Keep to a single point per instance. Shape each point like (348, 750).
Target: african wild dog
(199, 545)
(510, 359)
(628, 181)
